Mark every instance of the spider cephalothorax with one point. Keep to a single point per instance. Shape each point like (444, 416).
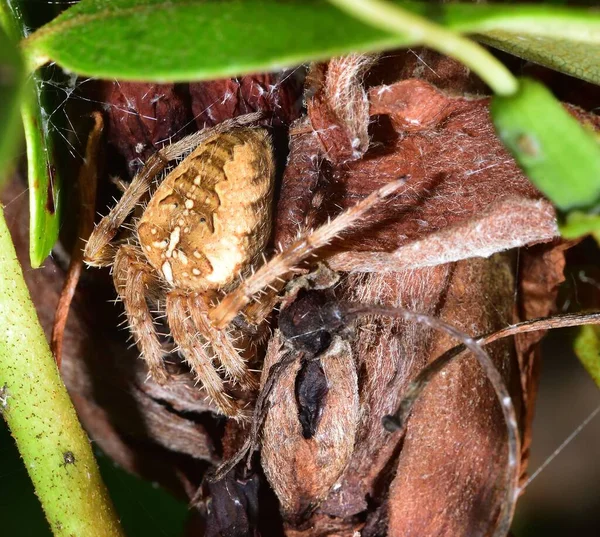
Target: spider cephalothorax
(205, 224)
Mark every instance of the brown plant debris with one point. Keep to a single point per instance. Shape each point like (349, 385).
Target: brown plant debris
(274, 95)
(338, 106)
(141, 118)
(303, 470)
(466, 197)
(87, 185)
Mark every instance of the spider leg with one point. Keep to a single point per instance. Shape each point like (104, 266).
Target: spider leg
(133, 279)
(98, 251)
(284, 262)
(257, 312)
(185, 335)
(220, 340)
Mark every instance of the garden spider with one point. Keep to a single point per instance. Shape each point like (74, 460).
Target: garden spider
(205, 225)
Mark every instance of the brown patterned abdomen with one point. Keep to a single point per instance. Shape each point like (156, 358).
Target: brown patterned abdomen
(211, 216)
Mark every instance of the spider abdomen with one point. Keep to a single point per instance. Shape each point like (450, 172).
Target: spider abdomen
(211, 216)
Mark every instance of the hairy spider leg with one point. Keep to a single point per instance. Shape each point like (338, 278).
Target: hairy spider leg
(220, 340)
(98, 251)
(133, 278)
(192, 348)
(284, 262)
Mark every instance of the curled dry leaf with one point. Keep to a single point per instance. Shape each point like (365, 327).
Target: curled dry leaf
(451, 467)
(466, 197)
(338, 106)
(303, 470)
(387, 354)
(542, 268)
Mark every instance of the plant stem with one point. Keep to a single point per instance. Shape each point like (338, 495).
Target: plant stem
(35, 404)
(390, 17)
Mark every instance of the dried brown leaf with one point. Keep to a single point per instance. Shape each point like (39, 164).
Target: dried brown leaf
(465, 196)
(303, 470)
(338, 107)
(449, 478)
(141, 118)
(540, 274)
(387, 354)
(276, 95)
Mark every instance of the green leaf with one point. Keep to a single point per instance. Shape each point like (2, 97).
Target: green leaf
(135, 39)
(37, 108)
(587, 349)
(390, 17)
(42, 172)
(564, 39)
(578, 224)
(579, 59)
(558, 154)
(11, 83)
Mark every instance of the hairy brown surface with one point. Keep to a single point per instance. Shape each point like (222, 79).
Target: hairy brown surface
(276, 95)
(453, 461)
(302, 470)
(339, 107)
(464, 196)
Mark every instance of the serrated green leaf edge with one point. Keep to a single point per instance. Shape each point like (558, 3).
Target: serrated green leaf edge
(54, 41)
(587, 349)
(560, 156)
(11, 87)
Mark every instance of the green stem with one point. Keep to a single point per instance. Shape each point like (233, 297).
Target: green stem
(392, 18)
(35, 404)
